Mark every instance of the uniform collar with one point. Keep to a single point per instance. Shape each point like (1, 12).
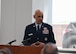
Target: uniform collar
(34, 24)
(38, 24)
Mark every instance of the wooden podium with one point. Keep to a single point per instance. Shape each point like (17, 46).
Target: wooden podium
(23, 49)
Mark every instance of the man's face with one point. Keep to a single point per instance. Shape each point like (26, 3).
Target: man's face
(38, 17)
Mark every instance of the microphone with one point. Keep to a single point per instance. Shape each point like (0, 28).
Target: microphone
(26, 40)
(12, 42)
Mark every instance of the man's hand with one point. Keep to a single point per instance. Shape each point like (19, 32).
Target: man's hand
(41, 44)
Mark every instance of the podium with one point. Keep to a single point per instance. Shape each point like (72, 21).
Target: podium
(23, 49)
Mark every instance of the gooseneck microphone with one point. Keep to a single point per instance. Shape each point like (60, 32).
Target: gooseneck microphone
(26, 40)
(12, 42)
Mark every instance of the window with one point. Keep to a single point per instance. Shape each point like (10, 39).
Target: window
(63, 11)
